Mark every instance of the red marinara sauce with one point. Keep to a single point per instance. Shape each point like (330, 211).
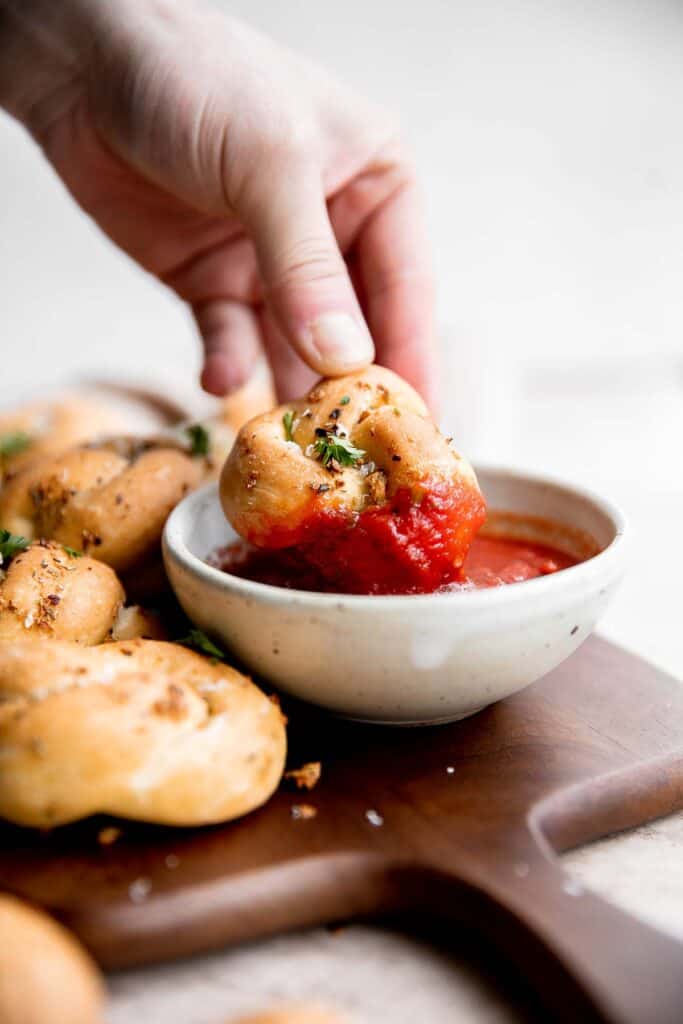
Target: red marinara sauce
(493, 561)
(406, 545)
(395, 549)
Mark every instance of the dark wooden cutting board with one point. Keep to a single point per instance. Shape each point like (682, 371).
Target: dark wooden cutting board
(595, 747)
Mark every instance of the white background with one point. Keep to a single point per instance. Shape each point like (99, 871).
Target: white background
(549, 135)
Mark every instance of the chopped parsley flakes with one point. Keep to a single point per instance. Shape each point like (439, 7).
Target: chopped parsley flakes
(14, 444)
(199, 641)
(332, 448)
(287, 423)
(11, 545)
(200, 440)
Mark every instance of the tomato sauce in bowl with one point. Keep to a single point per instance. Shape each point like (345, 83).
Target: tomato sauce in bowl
(494, 559)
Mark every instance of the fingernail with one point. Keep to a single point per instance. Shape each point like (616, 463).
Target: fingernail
(340, 343)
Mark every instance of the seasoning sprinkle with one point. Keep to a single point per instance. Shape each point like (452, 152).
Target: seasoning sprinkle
(330, 448)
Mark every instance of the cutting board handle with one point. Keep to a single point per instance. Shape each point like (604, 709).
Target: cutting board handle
(586, 959)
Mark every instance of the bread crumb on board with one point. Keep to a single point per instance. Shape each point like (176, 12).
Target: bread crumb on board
(307, 776)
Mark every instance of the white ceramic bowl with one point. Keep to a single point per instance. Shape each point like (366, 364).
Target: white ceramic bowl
(408, 659)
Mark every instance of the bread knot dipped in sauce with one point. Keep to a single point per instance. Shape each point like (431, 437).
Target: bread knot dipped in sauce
(139, 729)
(357, 483)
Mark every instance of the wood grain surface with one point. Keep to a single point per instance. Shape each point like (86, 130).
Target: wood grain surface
(460, 823)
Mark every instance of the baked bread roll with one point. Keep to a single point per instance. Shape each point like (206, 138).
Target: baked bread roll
(49, 594)
(46, 977)
(50, 427)
(358, 478)
(59, 422)
(138, 729)
(54, 425)
(110, 500)
(134, 621)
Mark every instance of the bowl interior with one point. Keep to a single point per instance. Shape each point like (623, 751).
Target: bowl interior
(548, 512)
(206, 528)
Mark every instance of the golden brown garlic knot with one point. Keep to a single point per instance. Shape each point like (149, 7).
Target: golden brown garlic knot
(48, 594)
(139, 729)
(110, 500)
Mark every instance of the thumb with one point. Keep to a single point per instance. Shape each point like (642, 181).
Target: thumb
(306, 282)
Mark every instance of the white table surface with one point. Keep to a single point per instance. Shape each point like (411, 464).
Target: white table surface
(549, 140)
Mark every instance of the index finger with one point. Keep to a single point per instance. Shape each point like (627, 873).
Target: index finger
(395, 271)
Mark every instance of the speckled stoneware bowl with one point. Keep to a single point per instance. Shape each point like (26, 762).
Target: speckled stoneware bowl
(415, 659)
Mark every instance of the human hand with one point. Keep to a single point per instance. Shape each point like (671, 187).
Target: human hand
(277, 203)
